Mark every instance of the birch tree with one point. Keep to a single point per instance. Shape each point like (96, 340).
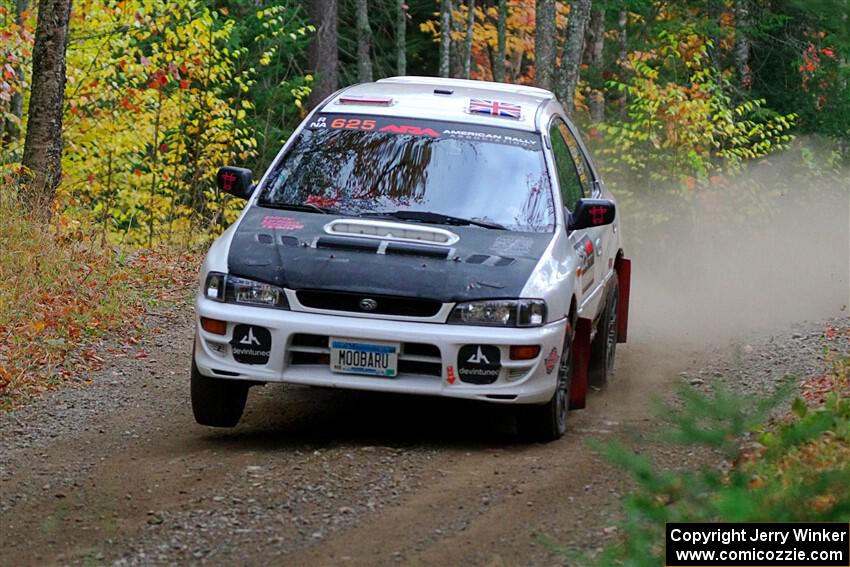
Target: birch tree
(501, 41)
(467, 44)
(594, 49)
(364, 41)
(742, 44)
(322, 54)
(544, 43)
(401, 38)
(445, 37)
(11, 131)
(43, 145)
(571, 57)
(622, 55)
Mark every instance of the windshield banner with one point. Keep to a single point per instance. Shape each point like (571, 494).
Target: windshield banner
(426, 128)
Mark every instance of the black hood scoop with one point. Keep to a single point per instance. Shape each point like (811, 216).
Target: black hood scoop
(295, 250)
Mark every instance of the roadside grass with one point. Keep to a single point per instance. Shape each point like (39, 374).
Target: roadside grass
(770, 465)
(62, 292)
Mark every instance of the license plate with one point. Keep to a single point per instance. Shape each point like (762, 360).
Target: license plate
(369, 358)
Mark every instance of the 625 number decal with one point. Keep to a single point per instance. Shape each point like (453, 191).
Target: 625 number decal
(353, 124)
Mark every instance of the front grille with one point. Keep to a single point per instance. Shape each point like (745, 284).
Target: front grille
(386, 304)
(414, 358)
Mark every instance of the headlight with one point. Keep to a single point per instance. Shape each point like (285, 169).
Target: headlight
(500, 313)
(233, 289)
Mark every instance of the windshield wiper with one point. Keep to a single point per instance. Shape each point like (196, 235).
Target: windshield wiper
(434, 218)
(306, 207)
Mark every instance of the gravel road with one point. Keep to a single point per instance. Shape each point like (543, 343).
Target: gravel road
(118, 472)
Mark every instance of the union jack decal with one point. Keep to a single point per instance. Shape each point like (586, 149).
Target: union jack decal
(495, 108)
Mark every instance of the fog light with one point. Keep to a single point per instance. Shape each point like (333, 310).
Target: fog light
(214, 326)
(524, 352)
(218, 348)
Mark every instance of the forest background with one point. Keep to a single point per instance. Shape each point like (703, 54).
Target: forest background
(671, 96)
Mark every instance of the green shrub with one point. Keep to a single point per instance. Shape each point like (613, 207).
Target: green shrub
(795, 468)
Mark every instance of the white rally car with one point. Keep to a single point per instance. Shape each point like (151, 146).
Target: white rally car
(423, 236)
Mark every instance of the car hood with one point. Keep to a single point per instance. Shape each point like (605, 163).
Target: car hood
(294, 250)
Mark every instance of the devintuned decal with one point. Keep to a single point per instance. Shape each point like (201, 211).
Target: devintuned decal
(479, 364)
(251, 344)
(281, 223)
(551, 361)
(450, 375)
(584, 249)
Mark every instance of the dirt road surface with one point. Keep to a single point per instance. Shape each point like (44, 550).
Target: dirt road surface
(117, 472)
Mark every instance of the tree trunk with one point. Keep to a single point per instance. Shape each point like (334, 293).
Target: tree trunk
(742, 43)
(516, 64)
(595, 38)
(571, 58)
(364, 41)
(43, 145)
(11, 132)
(322, 54)
(594, 49)
(714, 13)
(596, 106)
(467, 44)
(401, 38)
(457, 29)
(622, 56)
(445, 37)
(501, 40)
(544, 43)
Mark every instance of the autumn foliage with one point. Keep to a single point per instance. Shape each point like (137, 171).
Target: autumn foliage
(69, 302)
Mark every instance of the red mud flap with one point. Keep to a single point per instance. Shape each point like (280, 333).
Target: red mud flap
(581, 362)
(624, 275)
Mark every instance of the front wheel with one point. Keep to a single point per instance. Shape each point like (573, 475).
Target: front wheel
(548, 422)
(217, 402)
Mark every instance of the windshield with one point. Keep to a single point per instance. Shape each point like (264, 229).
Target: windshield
(356, 165)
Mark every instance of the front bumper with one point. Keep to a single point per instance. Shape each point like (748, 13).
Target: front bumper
(425, 371)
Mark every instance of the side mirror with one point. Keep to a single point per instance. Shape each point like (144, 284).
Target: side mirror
(235, 180)
(591, 212)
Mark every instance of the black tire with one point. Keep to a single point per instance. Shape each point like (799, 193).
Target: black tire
(603, 350)
(548, 422)
(217, 402)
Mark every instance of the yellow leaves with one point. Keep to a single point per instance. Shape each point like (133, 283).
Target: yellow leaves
(115, 121)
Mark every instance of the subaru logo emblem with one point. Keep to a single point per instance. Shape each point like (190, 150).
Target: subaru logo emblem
(368, 304)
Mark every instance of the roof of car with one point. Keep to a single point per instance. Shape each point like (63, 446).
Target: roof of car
(440, 99)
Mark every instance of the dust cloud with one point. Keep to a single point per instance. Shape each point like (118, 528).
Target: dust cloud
(770, 247)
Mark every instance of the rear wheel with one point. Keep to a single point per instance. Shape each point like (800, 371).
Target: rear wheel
(217, 402)
(603, 350)
(548, 422)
